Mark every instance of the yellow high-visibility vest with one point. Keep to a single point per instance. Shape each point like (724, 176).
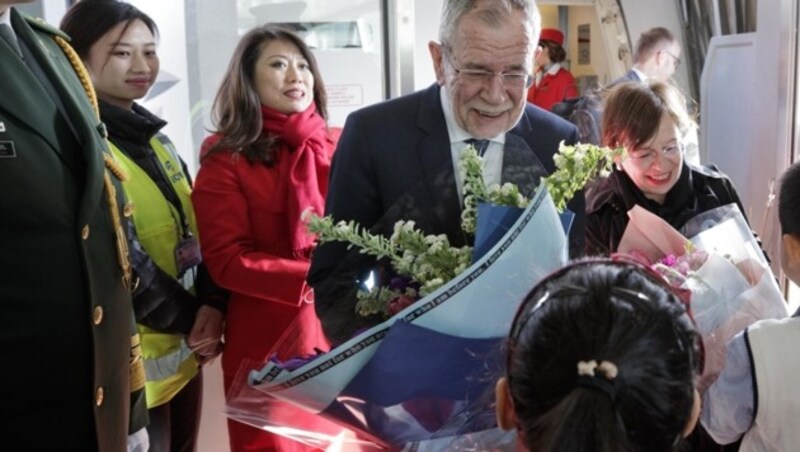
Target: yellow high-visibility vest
(168, 362)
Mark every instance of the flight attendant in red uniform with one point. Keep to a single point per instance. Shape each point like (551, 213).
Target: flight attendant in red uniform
(552, 83)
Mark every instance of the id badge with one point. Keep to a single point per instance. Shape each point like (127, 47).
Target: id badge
(187, 254)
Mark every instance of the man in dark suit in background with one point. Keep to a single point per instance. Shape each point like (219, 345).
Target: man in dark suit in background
(70, 362)
(398, 159)
(656, 56)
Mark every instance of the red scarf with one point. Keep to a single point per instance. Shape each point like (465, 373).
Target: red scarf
(303, 163)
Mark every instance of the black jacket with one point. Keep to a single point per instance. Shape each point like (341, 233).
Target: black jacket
(159, 300)
(699, 189)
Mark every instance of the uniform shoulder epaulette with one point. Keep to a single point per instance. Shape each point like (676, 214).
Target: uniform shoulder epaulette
(39, 23)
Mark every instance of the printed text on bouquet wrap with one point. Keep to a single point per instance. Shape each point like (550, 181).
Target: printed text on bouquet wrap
(466, 280)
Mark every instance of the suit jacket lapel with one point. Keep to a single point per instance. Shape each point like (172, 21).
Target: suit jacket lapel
(437, 164)
(78, 112)
(21, 99)
(55, 69)
(520, 165)
(434, 150)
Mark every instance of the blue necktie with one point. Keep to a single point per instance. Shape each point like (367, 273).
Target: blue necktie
(480, 145)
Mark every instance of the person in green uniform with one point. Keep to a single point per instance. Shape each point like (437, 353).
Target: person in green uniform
(72, 373)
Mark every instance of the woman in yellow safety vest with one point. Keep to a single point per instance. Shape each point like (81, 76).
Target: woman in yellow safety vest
(178, 311)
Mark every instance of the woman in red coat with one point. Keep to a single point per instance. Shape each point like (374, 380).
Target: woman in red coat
(552, 83)
(266, 164)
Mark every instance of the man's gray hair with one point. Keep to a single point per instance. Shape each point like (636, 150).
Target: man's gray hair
(492, 14)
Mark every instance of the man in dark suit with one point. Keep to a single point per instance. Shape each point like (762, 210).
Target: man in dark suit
(398, 159)
(656, 56)
(70, 360)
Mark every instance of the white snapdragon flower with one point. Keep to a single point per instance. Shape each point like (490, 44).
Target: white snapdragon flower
(342, 228)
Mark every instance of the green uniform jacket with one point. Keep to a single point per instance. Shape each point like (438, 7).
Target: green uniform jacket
(67, 316)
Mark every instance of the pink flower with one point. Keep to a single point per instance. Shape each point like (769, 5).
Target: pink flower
(677, 268)
(669, 260)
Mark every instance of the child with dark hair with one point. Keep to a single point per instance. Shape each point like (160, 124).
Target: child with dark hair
(749, 397)
(602, 356)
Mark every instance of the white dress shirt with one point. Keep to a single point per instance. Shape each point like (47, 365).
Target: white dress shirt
(493, 157)
(5, 18)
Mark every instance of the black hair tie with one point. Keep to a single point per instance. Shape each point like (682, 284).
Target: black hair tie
(598, 376)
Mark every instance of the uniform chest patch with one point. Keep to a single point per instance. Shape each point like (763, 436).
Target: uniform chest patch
(7, 150)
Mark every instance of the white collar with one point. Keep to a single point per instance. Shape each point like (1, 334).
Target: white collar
(454, 131)
(553, 69)
(642, 75)
(5, 18)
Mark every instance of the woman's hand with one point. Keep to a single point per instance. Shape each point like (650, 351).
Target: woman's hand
(205, 338)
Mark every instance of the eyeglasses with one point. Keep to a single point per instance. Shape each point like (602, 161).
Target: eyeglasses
(511, 79)
(677, 60)
(643, 158)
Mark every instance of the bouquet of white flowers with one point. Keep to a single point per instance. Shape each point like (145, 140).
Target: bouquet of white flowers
(426, 262)
(419, 379)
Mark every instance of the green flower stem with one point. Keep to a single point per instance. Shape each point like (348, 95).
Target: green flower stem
(575, 167)
(429, 259)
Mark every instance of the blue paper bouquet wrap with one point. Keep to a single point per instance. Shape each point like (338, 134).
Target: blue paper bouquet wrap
(424, 378)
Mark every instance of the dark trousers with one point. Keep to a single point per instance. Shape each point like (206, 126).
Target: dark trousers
(174, 425)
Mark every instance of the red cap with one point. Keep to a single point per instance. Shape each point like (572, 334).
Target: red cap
(552, 35)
